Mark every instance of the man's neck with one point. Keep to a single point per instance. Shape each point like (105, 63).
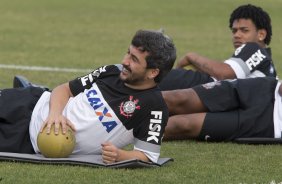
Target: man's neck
(141, 87)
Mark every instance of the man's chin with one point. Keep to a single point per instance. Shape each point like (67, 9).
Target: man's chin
(237, 44)
(127, 81)
(122, 77)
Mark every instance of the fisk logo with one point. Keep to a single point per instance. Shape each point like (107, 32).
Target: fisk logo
(255, 59)
(101, 111)
(92, 76)
(155, 126)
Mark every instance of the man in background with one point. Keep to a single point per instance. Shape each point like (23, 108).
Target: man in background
(251, 34)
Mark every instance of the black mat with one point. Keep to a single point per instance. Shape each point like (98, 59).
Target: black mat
(82, 160)
(258, 140)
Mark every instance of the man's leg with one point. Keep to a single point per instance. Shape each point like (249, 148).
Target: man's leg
(16, 106)
(218, 126)
(235, 109)
(184, 101)
(215, 97)
(186, 126)
(192, 106)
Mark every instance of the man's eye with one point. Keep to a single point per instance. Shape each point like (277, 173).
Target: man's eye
(245, 30)
(134, 59)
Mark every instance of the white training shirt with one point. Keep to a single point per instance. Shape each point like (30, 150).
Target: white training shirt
(104, 109)
(89, 133)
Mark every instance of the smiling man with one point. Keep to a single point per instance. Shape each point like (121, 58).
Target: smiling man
(109, 108)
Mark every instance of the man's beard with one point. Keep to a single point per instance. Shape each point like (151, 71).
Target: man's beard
(132, 79)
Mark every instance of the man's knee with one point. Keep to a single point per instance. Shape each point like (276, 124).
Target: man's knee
(183, 101)
(183, 127)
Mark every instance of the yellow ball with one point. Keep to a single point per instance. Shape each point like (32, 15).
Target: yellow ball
(56, 146)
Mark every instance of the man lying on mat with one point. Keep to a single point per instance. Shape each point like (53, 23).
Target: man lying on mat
(109, 108)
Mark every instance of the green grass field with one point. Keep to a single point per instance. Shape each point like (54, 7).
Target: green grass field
(84, 34)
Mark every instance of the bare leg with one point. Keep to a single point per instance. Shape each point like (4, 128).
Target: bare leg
(183, 101)
(186, 126)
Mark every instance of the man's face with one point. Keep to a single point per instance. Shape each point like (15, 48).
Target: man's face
(134, 70)
(244, 30)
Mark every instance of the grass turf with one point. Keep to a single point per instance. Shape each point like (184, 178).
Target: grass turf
(87, 34)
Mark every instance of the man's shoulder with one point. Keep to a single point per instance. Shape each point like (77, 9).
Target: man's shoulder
(250, 50)
(151, 99)
(247, 48)
(151, 94)
(110, 68)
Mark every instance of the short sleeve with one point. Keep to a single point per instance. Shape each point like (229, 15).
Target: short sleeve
(79, 84)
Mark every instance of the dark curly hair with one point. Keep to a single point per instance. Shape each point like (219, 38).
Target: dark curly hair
(259, 17)
(162, 52)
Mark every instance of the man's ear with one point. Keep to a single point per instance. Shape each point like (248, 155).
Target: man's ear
(262, 34)
(154, 73)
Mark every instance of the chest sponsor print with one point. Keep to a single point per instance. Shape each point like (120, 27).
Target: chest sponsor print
(101, 110)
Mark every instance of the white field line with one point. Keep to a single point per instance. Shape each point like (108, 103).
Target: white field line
(42, 68)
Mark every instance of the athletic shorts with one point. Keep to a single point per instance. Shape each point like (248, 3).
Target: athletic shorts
(16, 106)
(239, 108)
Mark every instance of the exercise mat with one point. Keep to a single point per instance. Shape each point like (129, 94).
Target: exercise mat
(82, 160)
(258, 140)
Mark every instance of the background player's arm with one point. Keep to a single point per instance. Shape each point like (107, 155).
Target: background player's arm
(216, 69)
(111, 153)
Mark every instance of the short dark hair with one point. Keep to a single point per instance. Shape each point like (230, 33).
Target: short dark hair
(162, 52)
(259, 17)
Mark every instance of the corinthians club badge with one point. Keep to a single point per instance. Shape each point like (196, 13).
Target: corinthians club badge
(127, 108)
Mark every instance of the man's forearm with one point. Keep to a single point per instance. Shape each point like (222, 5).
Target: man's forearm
(134, 154)
(110, 154)
(59, 98)
(216, 69)
(203, 64)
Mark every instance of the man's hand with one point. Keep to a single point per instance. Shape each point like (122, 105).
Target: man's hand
(57, 121)
(110, 153)
(187, 61)
(183, 62)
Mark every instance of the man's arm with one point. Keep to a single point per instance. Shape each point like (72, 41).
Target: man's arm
(216, 69)
(111, 154)
(58, 100)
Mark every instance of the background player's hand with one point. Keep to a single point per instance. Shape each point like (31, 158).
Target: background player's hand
(57, 121)
(110, 153)
(183, 62)
(186, 61)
